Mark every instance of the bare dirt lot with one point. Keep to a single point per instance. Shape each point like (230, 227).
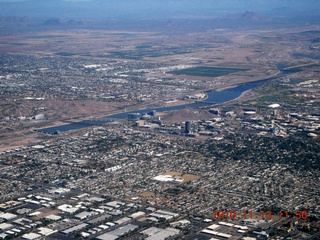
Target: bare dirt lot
(58, 108)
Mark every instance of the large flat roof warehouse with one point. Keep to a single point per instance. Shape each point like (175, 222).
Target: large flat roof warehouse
(213, 227)
(219, 234)
(107, 236)
(115, 204)
(160, 234)
(7, 216)
(85, 214)
(118, 232)
(68, 208)
(75, 228)
(167, 213)
(31, 236)
(137, 215)
(3, 235)
(123, 230)
(46, 231)
(209, 232)
(224, 235)
(5, 226)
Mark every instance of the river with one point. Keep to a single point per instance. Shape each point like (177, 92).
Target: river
(213, 97)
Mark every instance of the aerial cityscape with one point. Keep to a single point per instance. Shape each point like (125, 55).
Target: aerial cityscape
(196, 120)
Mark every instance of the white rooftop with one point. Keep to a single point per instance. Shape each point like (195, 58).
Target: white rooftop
(275, 105)
(31, 236)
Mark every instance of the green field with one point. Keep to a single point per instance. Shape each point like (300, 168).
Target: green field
(207, 71)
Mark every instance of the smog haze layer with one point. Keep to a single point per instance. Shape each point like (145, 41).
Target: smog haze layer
(166, 9)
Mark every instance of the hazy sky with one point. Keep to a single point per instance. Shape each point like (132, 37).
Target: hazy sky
(145, 8)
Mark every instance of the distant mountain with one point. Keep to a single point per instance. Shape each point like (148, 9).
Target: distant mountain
(52, 22)
(250, 10)
(252, 16)
(247, 16)
(148, 8)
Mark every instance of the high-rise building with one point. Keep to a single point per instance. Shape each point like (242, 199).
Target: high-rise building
(134, 116)
(153, 113)
(195, 128)
(187, 127)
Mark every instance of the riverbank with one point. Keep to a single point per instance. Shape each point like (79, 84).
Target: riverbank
(212, 98)
(245, 96)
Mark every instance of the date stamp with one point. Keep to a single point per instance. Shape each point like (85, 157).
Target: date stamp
(262, 215)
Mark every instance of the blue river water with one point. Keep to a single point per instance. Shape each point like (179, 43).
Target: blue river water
(302, 55)
(213, 97)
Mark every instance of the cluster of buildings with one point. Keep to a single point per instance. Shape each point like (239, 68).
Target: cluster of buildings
(144, 177)
(148, 178)
(122, 162)
(270, 120)
(65, 214)
(41, 80)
